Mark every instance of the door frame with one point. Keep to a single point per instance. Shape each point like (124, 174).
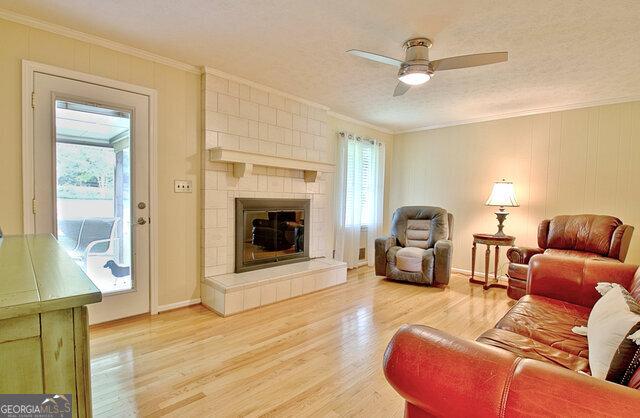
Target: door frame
(29, 68)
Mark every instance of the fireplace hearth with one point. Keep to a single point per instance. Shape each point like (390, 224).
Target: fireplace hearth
(271, 232)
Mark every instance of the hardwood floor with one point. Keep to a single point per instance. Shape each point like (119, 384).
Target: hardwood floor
(316, 355)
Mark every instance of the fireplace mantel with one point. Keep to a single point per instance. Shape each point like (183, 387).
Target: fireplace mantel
(244, 161)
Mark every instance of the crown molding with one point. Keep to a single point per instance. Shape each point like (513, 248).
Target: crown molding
(140, 53)
(150, 56)
(538, 111)
(96, 40)
(220, 73)
(359, 122)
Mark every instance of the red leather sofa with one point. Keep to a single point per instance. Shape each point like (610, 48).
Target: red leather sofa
(528, 365)
(583, 236)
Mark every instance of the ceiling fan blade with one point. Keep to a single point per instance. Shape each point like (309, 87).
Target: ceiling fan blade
(375, 57)
(401, 89)
(473, 60)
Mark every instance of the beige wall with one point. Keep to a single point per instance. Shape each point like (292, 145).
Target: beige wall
(585, 160)
(578, 161)
(338, 125)
(179, 133)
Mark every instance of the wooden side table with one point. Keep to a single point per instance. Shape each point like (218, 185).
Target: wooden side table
(489, 240)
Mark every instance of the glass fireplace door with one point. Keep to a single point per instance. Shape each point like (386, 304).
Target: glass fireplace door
(270, 235)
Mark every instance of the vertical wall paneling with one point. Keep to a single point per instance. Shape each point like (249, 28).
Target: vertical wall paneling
(576, 161)
(179, 133)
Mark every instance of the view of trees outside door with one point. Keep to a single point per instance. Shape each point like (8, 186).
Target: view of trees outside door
(93, 191)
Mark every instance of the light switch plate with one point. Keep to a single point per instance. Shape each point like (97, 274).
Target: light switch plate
(182, 186)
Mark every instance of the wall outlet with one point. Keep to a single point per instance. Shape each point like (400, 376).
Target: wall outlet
(182, 186)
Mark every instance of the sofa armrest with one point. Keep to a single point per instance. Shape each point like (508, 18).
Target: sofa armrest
(447, 376)
(382, 245)
(522, 255)
(620, 242)
(441, 375)
(443, 254)
(574, 280)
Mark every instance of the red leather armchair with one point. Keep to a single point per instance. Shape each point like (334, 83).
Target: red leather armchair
(440, 375)
(584, 236)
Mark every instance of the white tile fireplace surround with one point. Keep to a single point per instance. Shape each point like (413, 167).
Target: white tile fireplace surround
(255, 141)
(230, 294)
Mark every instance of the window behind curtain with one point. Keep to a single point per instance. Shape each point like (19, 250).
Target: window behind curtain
(360, 177)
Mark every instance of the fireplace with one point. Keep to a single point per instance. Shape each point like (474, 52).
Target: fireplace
(271, 232)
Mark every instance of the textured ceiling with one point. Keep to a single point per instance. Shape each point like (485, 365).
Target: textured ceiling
(561, 52)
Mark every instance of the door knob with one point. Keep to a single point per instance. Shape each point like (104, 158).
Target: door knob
(141, 221)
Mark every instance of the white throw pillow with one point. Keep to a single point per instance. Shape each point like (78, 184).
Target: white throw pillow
(613, 319)
(604, 287)
(580, 330)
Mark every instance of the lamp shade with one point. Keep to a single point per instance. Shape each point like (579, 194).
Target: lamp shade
(502, 194)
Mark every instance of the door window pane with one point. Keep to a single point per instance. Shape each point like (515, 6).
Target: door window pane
(93, 191)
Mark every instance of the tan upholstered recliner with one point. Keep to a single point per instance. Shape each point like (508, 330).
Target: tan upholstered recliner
(419, 249)
(584, 236)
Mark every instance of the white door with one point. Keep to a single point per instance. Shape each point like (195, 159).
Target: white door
(91, 185)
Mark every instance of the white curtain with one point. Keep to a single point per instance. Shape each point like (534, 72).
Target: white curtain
(360, 196)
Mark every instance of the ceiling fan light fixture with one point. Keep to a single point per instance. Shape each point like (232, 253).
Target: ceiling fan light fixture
(414, 79)
(417, 68)
(414, 75)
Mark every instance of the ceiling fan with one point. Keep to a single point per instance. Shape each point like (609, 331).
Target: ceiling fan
(416, 68)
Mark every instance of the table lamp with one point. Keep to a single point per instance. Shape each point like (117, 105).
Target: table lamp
(502, 194)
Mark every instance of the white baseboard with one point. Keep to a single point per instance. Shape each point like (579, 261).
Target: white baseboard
(176, 305)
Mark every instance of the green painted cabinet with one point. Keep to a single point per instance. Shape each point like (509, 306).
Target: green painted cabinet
(44, 345)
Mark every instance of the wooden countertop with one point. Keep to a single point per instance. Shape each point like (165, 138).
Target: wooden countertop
(37, 275)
